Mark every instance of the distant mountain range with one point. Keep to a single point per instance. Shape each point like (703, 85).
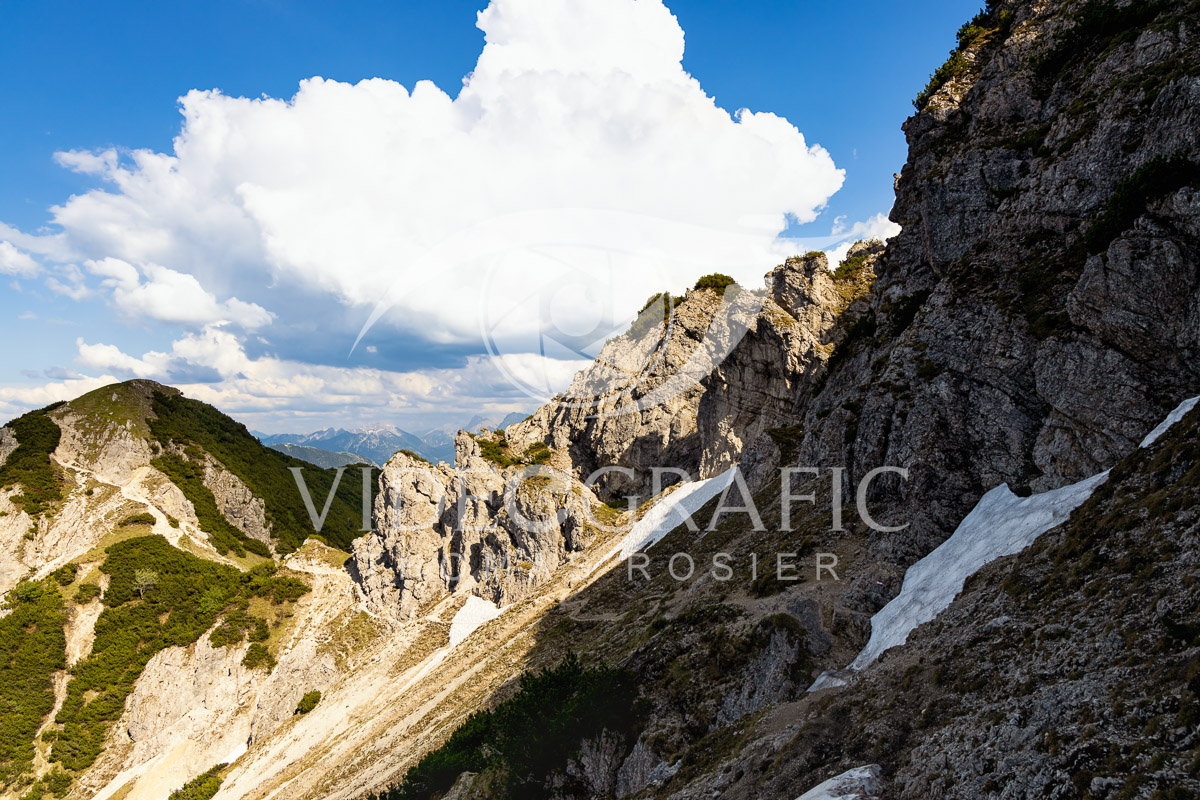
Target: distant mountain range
(320, 457)
(332, 447)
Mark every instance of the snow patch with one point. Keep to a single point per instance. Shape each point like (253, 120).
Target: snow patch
(1001, 524)
(860, 783)
(470, 617)
(671, 512)
(1180, 411)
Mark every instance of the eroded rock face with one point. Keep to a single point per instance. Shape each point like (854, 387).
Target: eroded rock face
(240, 506)
(694, 393)
(472, 528)
(8, 443)
(1009, 345)
(114, 451)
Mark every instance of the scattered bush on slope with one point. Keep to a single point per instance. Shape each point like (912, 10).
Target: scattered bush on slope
(264, 471)
(188, 475)
(29, 464)
(32, 648)
(202, 787)
(158, 596)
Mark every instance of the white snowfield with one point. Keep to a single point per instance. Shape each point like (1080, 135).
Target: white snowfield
(1001, 524)
(669, 513)
(470, 617)
(860, 783)
(1179, 413)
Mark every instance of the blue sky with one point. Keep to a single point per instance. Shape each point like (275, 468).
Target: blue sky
(88, 77)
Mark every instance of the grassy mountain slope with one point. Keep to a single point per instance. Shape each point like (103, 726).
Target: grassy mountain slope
(180, 421)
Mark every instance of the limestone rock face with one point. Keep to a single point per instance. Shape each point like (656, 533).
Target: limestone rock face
(476, 527)
(240, 506)
(113, 450)
(8, 443)
(1009, 344)
(696, 391)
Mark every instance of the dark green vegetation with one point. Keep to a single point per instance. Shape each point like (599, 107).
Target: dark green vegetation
(414, 456)
(308, 702)
(657, 309)
(136, 519)
(87, 593)
(257, 655)
(716, 282)
(266, 472)
(32, 649)
(188, 475)
(497, 451)
(1156, 179)
(850, 268)
(29, 464)
(56, 782)
(532, 734)
(158, 596)
(987, 23)
(202, 787)
(65, 575)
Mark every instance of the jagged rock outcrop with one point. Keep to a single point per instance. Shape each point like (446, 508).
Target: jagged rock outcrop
(474, 527)
(694, 392)
(1038, 312)
(237, 503)
(8, 443)
(769, 375)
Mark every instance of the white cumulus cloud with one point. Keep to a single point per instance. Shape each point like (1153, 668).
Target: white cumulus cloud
(16, 262)
(877, 227)
(169, 296)
(355, 190)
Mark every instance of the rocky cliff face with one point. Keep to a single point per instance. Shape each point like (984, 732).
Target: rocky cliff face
(235, 500)
(473, 528)
(1037, 313)
(694, 392)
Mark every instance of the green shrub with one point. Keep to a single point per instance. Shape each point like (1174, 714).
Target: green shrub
(414, 456)
(532, 733)
(715, 282)
(65, 575)
(32, 649)
(190, 594)
(189, 477)
(202, 787)
(29, 464)
(257, 656)
(850, 267)
(498, 452)
(136, 519)
(657, 309)
(87, 593)
(954, 66)
(57, 782)
(308, 702)
(265, 472)
(987, 21)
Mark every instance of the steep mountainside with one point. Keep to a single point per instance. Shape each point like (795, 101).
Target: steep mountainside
(1036, 317)
(132, 521)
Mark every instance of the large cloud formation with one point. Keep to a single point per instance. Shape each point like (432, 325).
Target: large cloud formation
(577, 145)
